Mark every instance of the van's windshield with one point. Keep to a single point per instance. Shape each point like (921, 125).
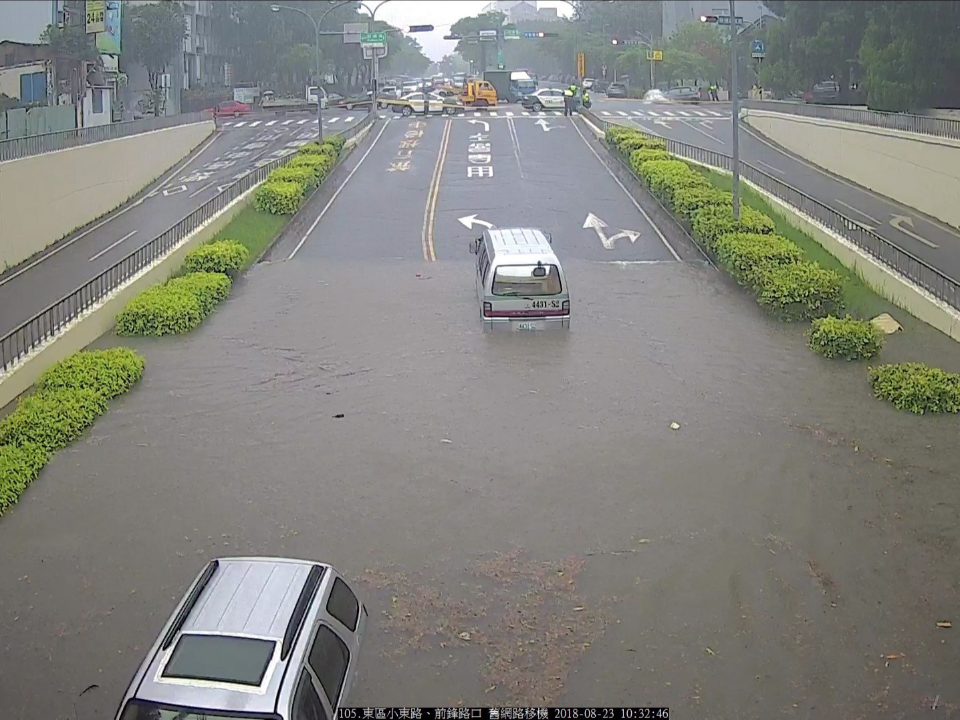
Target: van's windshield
(519, 280)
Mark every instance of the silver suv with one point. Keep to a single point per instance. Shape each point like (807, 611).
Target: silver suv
(253, 639)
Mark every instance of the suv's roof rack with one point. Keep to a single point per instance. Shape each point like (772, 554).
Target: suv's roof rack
(300, 610)
(192, 598)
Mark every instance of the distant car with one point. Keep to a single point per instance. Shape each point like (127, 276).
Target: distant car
(231, 108)
(588, 83)
(352, 102)
(253, 638)
(655, 96)
(550, 98)
(824, 93)
(386, 93)
(408, 87)
(683, 94)
(617, 90)
(433, 103)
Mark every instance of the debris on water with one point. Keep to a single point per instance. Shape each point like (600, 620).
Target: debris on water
(887, 324)
(674, 426)
(893, 656)
(710, 651)
(944, 624)
(338, 416)
(446, 441)
(465, 636)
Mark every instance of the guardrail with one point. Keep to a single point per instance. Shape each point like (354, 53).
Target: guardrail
(940, 285)
(16, 148)
(48, 323)
(905, 122)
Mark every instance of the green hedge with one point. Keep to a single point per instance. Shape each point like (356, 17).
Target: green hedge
(338, 141)
(110, 372)
(800, 291)
(305, 176)
(324, 148)
(747, 256)
(176, 307)
(221, 256)
(847, 337)
(160, 311)
(666, 178)
(645, 155)
(713, 221)
(278, 197)
(20, 465)
(687, 201)
(917, 387)
(210, 288)
(69, 397)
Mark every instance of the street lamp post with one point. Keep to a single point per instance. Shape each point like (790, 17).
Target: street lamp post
(316, 28)
(735, 109)
(374, 60)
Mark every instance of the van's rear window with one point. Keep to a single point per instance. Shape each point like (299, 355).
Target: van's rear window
(518, 280)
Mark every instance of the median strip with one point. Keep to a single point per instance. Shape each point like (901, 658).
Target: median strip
(780, 272)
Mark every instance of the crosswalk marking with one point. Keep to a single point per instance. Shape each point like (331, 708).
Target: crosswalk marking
(509, 114)
(493, 113)
(255, 123)
(668, 113)
(271, 122)
(621, 113)
(682, 112)
(526, 114)
(302, 122)
(348, 119)
(331, 121)
(240, 124)
(286, 122)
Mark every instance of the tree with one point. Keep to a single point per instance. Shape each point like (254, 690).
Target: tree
(70, 43)
(155, 34)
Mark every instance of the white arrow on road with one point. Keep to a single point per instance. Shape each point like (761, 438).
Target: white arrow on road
(221, 188)
(598, 225)
(545, 125)
(470, 220)
(175, 190)
(899, 221)
(486, 125)
(661, 122)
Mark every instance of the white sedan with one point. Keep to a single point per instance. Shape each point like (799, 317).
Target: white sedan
(415, 102)
(549, 98)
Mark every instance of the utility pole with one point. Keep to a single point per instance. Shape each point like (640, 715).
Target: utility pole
(735, 108)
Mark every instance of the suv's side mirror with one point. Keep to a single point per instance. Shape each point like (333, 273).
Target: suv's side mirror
(473, 247)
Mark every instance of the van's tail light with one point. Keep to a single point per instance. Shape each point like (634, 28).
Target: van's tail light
(566, 306)
(487, 309)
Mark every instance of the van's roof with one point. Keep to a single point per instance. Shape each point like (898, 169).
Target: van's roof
(519, 241)
(252, 605)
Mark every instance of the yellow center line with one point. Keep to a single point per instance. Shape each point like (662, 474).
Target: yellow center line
(429, 252)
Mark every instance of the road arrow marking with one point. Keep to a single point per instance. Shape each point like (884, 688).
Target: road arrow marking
(486, 125)
(663, 123)
(898, 221)
(470, 220)
(597, 225)
(175, 190)
(545, 125)
(221, 188)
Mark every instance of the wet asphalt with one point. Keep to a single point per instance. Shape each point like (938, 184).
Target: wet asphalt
(516, 511)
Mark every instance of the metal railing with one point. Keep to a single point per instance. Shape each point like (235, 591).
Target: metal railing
(905, 122)
(16, 148)
(48, 323)
(940, 285)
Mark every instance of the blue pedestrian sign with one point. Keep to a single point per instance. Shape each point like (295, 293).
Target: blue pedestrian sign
(759, 49)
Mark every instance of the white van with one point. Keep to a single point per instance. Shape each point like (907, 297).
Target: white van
(520, 282)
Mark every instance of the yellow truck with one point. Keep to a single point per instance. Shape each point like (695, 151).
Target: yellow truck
(479, 93)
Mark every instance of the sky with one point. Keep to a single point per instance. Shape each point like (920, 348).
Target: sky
(441, 14)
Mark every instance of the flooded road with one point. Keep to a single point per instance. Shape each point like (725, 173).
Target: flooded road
(517, 512)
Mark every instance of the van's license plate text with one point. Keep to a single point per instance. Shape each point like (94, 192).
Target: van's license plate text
(528, 325)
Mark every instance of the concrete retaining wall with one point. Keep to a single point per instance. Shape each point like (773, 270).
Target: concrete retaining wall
(921, 172)
(45, 197)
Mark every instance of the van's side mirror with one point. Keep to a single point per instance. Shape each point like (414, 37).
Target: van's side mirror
(472, 247)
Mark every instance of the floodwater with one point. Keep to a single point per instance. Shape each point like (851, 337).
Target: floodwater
(517, 512)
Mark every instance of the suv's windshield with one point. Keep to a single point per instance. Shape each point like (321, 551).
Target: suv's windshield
(144, 710)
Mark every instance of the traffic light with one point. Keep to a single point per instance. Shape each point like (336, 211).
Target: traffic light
(420, 28)
(453, 37)
(536, 34)
(708, 18)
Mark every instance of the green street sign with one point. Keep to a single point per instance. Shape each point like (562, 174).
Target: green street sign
(509, 34)
(373, 38)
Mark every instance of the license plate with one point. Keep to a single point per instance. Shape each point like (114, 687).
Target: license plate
(528, 325)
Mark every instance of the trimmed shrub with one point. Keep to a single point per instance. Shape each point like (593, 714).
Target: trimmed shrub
(800, 291)
(20, 465)
(747, 256)
(628, 143)
(279, 198)
(338, 141)
(110, 372)
(160, 311)
(615, 132)
(916, 387)
(52, 419)
(666, 177)
(324, 148)
(713, 221)
(320, 165)
(687, 201)
(847, 337)
(209, 288)
(305, 176)
(221, 256)
(644, 155)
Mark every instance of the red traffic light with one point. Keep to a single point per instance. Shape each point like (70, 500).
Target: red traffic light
(708, 18)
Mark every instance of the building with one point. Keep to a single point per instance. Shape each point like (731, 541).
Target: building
(678, 12)
(522, 11)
